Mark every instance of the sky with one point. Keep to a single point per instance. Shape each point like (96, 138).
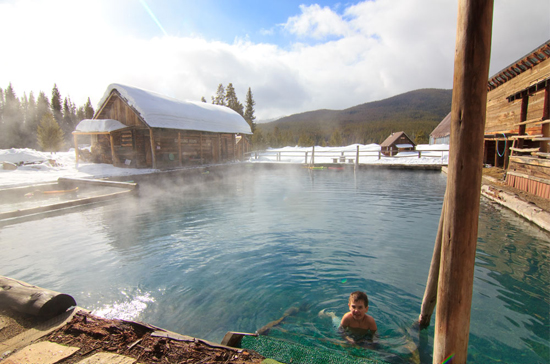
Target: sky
(295, 56)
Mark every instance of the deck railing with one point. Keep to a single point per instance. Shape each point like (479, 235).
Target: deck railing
(337, 156)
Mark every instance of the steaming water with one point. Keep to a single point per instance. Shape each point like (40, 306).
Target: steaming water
(236, 253)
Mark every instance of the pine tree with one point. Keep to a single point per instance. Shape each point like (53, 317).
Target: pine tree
(31, 123)
(219, 99)
(80, 114)
(249, 111)
(231, 100)
(203, 99)
(50, 135)
(67, 124)
(11, 132)
(42, 106)
(88, 109)
(57, 105)
(336, 139)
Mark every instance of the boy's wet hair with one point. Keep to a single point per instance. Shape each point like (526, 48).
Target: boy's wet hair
(359, 295)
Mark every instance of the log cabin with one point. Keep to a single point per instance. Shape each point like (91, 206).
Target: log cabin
(397, 142)
(136, 128)
(517, 123)
(517, 128)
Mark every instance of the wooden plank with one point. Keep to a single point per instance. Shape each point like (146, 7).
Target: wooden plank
(540, 139)
(530, 160)
(543, 122)
(526, 136)
(541, 154)
(524, 150)
(107, 358)
(44, 352)
(528, 122)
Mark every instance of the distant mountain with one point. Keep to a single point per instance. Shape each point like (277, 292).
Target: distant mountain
(416, 112)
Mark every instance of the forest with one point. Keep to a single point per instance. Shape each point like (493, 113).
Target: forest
(39, 123)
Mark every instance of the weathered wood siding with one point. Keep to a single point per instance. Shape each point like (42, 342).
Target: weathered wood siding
(502, 115)
(115, 108)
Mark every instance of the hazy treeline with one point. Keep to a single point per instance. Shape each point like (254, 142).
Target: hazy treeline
(39, 122)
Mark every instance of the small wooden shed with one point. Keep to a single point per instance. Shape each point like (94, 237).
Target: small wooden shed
(397, 142)
(517, 129)
(142, 129)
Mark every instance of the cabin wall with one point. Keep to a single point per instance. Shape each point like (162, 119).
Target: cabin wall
(502, 115)
(175, 148)
(115, 108)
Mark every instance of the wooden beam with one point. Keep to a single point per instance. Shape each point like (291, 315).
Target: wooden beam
(468, 112)
(179, 148)
(430, 294)
(152, 142)
(75, 137)
(113, 156)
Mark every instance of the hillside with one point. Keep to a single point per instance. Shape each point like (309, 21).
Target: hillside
(416, 112)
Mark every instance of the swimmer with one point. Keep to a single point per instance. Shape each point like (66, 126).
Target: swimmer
(357, 316)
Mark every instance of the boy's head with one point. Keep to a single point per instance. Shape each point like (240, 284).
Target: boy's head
(359, 296)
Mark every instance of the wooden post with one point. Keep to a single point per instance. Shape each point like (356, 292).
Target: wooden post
(357, 156)
(113, 156)
(75, 137)
(179, 148)
(545, 116)
(313, 155)
(430, 294)
(306, 159)
(152, 139)
(469, 104)
(201, 147)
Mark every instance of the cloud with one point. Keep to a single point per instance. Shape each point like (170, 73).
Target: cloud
(317, 22)
(363, 52)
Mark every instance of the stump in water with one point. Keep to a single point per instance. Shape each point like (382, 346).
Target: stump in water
(32, 300)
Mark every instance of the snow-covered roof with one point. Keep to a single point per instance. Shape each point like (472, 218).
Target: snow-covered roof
(401, 146)
(161, 111)
(99, 126)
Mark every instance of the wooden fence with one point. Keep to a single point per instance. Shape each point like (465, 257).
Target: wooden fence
(343, 156)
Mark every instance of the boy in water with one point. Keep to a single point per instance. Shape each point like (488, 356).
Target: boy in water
(356, 321)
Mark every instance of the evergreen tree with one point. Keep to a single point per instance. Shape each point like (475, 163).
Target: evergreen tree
(57, 105)
(42, 106)
(11, 132)
(203, 99)
(219, 99)
(258, 141)
(50, 135)
(88, 109)
(31, 123)
(80, 114)
(231, 100)
(305, 140)
(67, 125)
(249, 110)
(336, 139)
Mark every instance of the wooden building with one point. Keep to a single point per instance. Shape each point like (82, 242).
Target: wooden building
(397, 142)
(517, 129)
(142, 129)
(442, 133)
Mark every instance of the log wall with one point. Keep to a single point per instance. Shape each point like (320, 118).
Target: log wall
(502, 115)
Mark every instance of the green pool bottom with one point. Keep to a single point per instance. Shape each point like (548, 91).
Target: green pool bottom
(291, 352)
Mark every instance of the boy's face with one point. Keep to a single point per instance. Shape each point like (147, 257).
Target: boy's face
(357, 308)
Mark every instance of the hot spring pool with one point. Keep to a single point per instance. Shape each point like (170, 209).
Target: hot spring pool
(234, 254)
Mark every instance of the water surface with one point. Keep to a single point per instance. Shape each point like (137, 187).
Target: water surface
(234, 254)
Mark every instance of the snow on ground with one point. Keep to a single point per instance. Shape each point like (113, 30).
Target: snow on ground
(39, 167)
